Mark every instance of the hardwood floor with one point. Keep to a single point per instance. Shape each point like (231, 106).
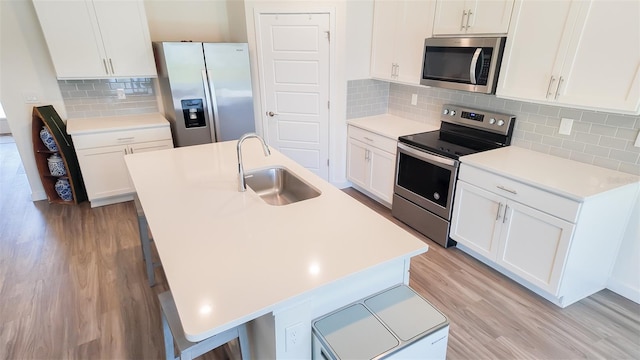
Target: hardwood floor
(72, 285)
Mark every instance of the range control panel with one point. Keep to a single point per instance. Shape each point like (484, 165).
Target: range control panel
(481, 119)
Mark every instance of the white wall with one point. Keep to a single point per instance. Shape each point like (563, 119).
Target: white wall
(205, 21)
(625, 278)
(25, 68)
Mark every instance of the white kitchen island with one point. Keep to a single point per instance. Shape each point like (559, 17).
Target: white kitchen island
(231, 258)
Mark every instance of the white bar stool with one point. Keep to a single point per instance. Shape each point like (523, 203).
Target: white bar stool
(145, 242)
(187, 350)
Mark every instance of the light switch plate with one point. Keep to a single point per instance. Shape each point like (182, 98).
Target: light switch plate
(414, 99)
(121, 94)
(565, 126)
(637, 143)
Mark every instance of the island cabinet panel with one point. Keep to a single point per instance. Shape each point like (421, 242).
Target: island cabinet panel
(371, 163)
(561, 62)
(561, 248)
(399, 30)
(460, 17)
(97, 39)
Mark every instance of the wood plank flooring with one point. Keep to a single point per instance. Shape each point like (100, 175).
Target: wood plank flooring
(72, 285)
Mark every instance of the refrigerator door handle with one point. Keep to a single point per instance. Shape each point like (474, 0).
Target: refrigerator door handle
(211, 110)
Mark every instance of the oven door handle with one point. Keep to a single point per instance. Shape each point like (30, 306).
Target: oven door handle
(474, 63)
(426, 156)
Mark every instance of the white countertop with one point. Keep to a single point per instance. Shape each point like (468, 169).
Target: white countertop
(229, 257)
(391, 126)
(112, 123)
(572, 179)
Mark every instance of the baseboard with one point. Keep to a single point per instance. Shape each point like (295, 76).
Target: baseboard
(4, 127)
(342, 184)
(624, 290)
(38, 195)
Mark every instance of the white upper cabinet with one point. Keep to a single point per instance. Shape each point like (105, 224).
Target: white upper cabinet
(97, 39)
(587, 55)
(472, 17)
(399, 30)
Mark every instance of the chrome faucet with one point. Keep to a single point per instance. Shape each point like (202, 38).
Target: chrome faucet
(265, 148)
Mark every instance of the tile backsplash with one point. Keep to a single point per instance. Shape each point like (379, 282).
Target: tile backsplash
(98, 97)
(598, 138)
(367, 98)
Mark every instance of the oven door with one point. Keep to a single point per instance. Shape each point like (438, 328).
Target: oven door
(426, 179)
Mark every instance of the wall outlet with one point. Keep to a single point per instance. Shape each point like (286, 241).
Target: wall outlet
(31, 98)
(565, 126)
(292, 336)
(121, 94)
(414, 99)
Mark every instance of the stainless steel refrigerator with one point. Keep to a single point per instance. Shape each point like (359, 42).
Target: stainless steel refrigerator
(206, 90)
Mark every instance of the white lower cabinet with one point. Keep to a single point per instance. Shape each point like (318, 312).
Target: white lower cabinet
(523, 240)
(371, 163)
(560, 248)
(101, 158)
(104, 171)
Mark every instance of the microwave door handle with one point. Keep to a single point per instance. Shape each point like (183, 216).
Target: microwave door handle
(474, 63)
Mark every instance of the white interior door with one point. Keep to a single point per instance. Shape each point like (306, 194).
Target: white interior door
(294, 73)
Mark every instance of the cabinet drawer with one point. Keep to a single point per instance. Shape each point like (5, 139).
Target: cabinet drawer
(369, 138)
(526, 194)
(111, 138)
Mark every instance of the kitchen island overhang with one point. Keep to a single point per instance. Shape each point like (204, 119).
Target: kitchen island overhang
(230, 258)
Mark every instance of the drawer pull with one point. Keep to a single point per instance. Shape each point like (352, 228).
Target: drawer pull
(126, 138)
(507, 189)
(368, 139)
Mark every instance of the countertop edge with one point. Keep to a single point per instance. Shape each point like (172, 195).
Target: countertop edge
(470, 161)
(103, 124)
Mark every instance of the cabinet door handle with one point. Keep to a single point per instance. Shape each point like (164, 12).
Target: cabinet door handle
(558, 88)
(366, 155)
(126, 151)
(464, 13)
(130, 150)
(106, 69)
(504, 217)
(468, 17)
(549, 87)
(514, 192)
(498, 213)
(111, 64)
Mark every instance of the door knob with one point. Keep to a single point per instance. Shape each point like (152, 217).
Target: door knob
(271, 113)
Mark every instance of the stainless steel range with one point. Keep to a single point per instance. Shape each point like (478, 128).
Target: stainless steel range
(427, 166)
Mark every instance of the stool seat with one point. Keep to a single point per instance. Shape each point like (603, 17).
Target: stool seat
(145, 242)
(174, 333)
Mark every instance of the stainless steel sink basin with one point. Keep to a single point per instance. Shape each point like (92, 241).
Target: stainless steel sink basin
(278, 186)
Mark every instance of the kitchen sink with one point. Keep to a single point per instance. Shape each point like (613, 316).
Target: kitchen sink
(279, 186)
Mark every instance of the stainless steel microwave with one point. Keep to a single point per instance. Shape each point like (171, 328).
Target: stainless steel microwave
(470, 64)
